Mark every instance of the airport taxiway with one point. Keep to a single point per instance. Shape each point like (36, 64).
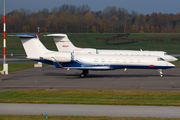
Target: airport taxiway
(50, 77)
(90, 110)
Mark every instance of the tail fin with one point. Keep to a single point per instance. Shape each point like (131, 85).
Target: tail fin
(62, 42)
(32, 45)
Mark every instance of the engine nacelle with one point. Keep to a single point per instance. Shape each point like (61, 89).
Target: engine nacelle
(85, 51)
(58, 56)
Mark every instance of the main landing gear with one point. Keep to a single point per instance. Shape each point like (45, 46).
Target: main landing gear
(84, 73)
(160, 72)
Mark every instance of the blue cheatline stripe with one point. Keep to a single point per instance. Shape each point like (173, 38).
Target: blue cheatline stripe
(75, 64)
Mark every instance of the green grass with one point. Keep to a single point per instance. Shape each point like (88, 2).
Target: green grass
(87, 40)
(100, 97)
(177, 63)
(16, 66)
(21, 61)
(43, 117)
(178, 59)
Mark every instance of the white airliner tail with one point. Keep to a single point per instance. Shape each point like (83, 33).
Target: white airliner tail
(32, 45)
(62, 42)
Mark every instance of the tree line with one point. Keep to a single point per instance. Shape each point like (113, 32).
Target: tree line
(72, 19)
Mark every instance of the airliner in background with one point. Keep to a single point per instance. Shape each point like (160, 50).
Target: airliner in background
(35, 50)
(64, 44)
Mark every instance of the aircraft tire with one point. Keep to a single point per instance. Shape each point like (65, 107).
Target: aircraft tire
(82, 75)
(161, 75)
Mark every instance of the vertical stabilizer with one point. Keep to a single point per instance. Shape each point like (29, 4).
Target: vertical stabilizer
(62, 42)
(32, 45)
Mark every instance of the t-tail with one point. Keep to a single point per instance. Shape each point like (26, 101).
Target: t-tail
(32, 45)
(62, 42)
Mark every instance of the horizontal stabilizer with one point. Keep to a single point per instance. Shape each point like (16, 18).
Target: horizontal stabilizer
(24, 35)
(56, 35)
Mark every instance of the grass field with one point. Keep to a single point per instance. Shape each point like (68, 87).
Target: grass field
(90, 41)
(43, 117)
(16, 67)
(100, 97)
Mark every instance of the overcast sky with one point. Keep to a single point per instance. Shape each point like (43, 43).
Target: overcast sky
(140, 6)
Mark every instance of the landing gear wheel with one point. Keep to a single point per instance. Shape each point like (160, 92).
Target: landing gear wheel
(84, 73)
(160, 73)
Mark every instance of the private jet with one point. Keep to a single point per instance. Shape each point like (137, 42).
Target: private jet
(36, 51)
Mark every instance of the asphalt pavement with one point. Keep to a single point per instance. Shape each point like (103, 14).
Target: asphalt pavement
(90, 110)
(50, 77)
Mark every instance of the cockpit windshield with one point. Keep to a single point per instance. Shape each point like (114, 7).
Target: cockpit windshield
(166, 54)
(160, 59)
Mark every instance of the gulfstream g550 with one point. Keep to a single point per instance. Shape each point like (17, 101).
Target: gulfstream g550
(35, 50)
(64, 44)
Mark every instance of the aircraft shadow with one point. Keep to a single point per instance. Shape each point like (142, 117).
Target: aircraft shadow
(76, 76)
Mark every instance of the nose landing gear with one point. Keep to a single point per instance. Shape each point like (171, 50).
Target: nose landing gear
(160, 72)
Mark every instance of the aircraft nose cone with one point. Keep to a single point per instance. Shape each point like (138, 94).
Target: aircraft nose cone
(171, 65)
(174, 59)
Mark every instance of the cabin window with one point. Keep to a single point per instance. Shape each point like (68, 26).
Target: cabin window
(103, 60)
(131, 60)
(110, 60)
(95, 60)
(124, 60)
(138, 61)
(117, 60)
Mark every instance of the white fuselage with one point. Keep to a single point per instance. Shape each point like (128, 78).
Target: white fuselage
(161, 54)
(123, 60)
(64, 44)
(103, 61)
